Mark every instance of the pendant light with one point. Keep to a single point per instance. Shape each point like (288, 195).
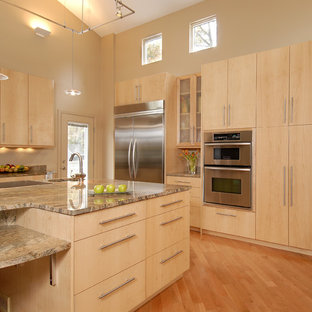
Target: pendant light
(3, 77)
(72, 91)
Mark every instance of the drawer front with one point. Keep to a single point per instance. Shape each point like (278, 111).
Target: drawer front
(103, 255)
(194, 182)
(166, 229)
(166, 266)
(90, 224)
(167, 203)
(229, 221)
(121, 292)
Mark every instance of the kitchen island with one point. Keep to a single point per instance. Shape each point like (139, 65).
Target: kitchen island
(124, 248)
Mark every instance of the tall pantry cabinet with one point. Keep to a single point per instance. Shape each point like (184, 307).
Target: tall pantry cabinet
(284, 169)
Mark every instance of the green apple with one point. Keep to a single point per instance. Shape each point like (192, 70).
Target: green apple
(98, 201)
(122, 188)
(98, 189)
(110, 188)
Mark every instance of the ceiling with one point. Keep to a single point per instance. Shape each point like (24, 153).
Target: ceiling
(100, 11)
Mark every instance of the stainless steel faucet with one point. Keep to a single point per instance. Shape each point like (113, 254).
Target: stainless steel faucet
(79, 175)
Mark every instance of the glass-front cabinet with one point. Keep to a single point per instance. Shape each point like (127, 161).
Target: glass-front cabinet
(189, 111)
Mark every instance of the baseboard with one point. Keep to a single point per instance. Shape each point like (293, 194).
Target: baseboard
(261, 243)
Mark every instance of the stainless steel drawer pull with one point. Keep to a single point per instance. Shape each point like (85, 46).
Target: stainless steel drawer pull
(225, 214)
(174, 255)
(186, 182)
(119, 241)
(172, 203)
(116, 288)
(173, 220)
(118, 218)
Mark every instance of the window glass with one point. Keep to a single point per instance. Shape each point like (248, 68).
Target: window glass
(203, 34)
(152, 49)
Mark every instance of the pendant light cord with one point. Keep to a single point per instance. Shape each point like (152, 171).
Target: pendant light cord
(72, 59)
(82, 7)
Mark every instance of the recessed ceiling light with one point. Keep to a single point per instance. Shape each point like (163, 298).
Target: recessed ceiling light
(42, 32)
(72, 92)
(3, 77)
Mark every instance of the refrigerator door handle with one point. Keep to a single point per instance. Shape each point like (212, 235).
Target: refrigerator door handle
(134, 158)
(129, 159)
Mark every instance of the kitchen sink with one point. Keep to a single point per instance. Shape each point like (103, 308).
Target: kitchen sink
(21, 183)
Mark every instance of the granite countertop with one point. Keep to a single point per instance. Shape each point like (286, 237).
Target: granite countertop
(184, 174)
(69, 198)
(19, 245)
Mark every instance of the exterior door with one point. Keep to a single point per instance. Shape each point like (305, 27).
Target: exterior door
(148, 147)
(76, 136)
(123, 148)
(271, 185)
(300, 179)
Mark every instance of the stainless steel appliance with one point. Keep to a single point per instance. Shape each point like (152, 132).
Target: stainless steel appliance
(227, 168)
(139, 142)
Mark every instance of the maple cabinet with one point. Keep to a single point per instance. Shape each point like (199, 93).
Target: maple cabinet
(229, 93)
(141, 90)
(189, 111)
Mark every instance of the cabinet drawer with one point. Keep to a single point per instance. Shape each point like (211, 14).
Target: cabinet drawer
(90, 224)
(229, 221)
(166, 229)
(167, 203)
(121, 292)
(194, 182)
(166, 266)
(103, 255)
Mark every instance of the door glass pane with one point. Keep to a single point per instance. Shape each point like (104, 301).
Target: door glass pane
(185, 110)
(77, 143)
(225, 185)
(198, 108)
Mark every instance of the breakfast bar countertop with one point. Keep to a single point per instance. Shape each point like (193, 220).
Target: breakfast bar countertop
(70, 198)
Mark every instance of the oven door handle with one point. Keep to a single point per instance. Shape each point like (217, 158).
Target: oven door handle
(230, 144)
(227, 168)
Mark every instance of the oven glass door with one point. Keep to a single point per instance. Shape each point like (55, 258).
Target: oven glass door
(238, 154)
(228, 186)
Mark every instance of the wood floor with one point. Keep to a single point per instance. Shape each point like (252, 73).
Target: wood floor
(232, 276)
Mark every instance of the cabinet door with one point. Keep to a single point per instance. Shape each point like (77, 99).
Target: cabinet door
(14, 108)
(214, 95)
(300, 84)
(152, 88)
(272, 87)
(127, 92)
(41, 111)
(300, 195)
(271, 185)
(242, 93)
(197, 106)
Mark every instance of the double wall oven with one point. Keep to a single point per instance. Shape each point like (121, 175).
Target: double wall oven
(227, 168)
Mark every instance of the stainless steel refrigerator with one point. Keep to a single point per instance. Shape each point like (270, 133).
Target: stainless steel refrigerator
(139, 142)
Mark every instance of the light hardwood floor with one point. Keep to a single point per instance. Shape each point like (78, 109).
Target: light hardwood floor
(233, 276)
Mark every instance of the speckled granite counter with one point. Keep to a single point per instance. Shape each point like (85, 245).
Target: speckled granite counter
(19, 245)
(67, 198)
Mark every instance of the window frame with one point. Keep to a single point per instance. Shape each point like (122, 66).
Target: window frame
(198, 22)
(146, 39)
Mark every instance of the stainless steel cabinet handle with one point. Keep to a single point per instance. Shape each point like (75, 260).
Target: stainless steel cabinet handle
(178, 181)
(225, 214)
(284, 185)
(116, 288)
(173, 220)
(31, 134)
(118, 218)
(129, 160)
(285, 110)
(174, 255)
(229, 114)
(133, 159)
(227, 169)
(172, 203)
(292, 109)
(291, 184)
(224, 115)
(3, 132)
(118, 241)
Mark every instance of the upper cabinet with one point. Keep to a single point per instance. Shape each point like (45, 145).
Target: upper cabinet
(140, 90)
(27, 110)
(229, 93)
(189, 111)
(300, 110)
(272, 87)
(41, 111)
(14, 108)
